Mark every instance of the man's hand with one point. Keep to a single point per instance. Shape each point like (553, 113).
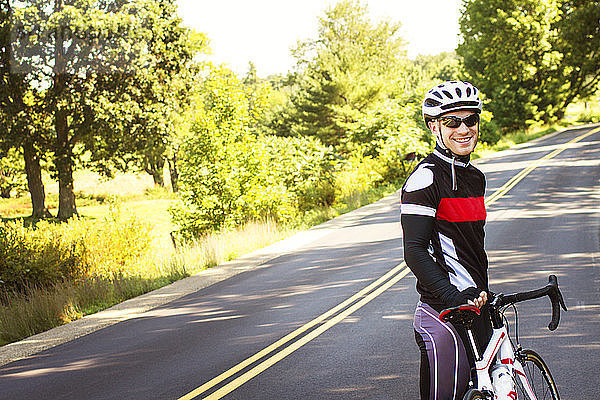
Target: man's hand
(480, 301)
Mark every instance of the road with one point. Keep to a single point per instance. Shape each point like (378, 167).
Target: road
(307, 334)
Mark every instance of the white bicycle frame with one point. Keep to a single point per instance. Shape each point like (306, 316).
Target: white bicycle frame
(498, 351)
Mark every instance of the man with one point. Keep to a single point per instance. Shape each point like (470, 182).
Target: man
(443, 216)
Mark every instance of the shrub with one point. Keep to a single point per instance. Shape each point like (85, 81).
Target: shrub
(588, 116)
(306, 168)
(489, 132)
(30, 256)
(230, 175)
(51, 252)
(358, 174)
(389, 134)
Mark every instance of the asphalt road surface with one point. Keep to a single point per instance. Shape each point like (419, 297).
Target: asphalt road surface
(304, 331)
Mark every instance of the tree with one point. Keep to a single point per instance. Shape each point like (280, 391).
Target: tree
(21, 122)
(531, 58)
(11, 173)
(579, 44)
(220, 166)
(344, 73)
(154, 104)
(95, 63)
(444, 66)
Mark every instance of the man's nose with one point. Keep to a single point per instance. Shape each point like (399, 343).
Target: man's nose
(462, 128)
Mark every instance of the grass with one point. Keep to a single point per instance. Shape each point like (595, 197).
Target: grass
(217, 248)
(39, 309)
(355, 199)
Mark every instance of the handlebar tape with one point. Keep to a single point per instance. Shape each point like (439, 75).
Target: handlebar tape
(557, 302)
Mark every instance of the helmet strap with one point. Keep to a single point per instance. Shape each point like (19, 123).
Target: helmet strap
(439, 137)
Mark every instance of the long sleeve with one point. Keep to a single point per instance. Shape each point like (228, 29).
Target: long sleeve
(417, 236)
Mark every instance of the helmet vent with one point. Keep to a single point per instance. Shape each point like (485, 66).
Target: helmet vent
(432, 103)
(447, 93)
(450, 96)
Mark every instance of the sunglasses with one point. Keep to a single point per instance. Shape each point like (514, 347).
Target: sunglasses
(451, 121)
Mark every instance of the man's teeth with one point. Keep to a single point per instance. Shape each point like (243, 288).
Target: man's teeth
(462, 140)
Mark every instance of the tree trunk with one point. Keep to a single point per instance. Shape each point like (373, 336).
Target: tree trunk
(174, 173)
(64, 167)
(34, 182)
(63, 152)
(155, 169)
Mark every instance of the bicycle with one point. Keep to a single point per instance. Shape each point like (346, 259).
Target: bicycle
(502, 361)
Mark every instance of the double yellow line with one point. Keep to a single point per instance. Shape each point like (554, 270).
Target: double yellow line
(323, 322)
(327, 319)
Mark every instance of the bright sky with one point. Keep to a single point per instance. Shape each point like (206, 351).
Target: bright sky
(264, 31)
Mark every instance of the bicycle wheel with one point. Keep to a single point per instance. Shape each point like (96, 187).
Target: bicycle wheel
(538, 377)
(474, 394)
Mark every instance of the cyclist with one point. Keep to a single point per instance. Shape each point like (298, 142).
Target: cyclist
(443, 216)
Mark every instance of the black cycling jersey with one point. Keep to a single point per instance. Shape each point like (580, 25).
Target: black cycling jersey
(443, 216)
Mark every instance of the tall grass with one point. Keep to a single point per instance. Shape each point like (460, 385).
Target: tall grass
(352, 200)
(34, 309)
(219, 247)
(38, 309)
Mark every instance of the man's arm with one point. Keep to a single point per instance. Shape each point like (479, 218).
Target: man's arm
(417, 236)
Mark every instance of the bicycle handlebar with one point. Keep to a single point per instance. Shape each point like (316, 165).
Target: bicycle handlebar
(551, 290)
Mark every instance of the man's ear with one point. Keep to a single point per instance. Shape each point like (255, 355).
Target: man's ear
(432, 126)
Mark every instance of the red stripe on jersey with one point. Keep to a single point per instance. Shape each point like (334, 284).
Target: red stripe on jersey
(461, 209)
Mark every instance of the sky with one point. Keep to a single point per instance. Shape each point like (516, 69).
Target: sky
(264, 31)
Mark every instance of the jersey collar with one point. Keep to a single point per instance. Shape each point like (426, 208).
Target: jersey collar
(449, 160)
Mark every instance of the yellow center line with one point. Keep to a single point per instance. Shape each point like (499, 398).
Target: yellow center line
(215, 381)
(367, 294)
(301, 342)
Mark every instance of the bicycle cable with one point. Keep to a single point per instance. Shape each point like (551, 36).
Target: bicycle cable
(505, 319)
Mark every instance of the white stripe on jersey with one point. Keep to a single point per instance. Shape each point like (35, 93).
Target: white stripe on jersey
(461, 278)
(421, 178)
(416, 209)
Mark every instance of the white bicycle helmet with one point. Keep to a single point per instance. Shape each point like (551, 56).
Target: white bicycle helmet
(451, 96)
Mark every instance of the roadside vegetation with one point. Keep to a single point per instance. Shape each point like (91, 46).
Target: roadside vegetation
(113, 184)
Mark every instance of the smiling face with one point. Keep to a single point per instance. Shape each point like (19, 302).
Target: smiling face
(460, 141)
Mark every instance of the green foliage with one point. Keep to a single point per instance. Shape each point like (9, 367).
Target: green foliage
(489, 131)
(443, 67)
(305, 167)
(389, 134)
(531, 58)
(344, 73)
(223, 171)
(38, 257)
(589, 116)
(49, 252)
(231, 175)
(12, 174)
(96, 82)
